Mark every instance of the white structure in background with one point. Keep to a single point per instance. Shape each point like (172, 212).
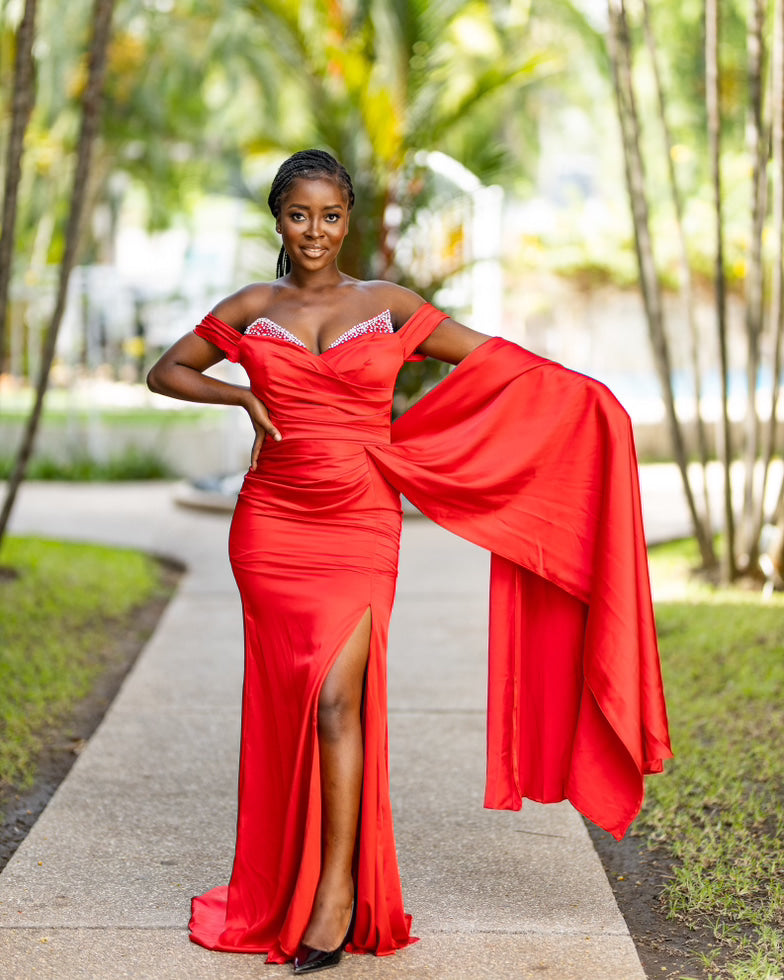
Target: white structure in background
(469, 225)
(158, 286)
(161, 284)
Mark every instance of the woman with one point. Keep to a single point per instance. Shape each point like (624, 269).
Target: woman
(513, 452)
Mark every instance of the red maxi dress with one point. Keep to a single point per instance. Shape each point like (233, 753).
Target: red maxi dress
(513, 452)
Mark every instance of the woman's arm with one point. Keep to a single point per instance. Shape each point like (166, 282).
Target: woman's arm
(179, 374)
(452, 341)
(179, 371)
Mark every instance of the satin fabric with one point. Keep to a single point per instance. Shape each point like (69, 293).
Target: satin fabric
(536, 463)
(511, 451)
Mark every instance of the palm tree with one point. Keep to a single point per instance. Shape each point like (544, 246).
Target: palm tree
(377, 81)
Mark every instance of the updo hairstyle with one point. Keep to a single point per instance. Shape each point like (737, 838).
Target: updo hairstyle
(307, 165)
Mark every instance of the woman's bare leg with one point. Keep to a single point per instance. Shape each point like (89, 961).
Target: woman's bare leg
(342, 754)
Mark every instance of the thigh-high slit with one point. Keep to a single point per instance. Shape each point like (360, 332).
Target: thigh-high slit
(512, 452)
(306, 580)
(341, 755)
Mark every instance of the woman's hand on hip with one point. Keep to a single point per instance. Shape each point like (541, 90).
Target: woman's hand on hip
(262, 425)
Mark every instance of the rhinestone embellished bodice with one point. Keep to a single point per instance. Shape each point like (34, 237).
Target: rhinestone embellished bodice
(264, 327)
(340, 395)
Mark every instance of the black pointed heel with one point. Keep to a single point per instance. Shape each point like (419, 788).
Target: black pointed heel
(310, 960)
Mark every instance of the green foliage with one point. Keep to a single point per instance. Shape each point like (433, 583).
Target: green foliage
(679, 33)
(417, 378)
(719, 808)
(680, 29)
(204, 97)
(162, 120)
(133, 464)
(59, 605)
(377, 82)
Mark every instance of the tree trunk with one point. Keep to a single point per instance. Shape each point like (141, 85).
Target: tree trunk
(757, 146)
(777, 275)
(91, 116)
(22, 103)
(777, 300)
(686, 282)
(714, 134)
(620, 53)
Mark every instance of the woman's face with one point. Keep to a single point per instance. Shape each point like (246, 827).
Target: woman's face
(313, 222)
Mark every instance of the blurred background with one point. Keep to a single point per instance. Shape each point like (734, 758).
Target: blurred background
(494, 148)
(601, 181)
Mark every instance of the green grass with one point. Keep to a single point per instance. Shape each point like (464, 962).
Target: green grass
(58, 614)
(719, 809)
(156, 417)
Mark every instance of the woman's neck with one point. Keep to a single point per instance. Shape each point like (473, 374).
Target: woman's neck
(315, 281)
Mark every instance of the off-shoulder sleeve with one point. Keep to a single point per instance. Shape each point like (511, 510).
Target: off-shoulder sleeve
(418, 328)
(220, 334)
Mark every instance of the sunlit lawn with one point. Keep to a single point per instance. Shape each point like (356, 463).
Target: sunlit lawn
(60, 609)
(720, 807)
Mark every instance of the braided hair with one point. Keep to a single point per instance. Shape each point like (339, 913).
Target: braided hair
(307, 165)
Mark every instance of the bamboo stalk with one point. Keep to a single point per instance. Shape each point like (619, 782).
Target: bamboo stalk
(714, 135)
(620, 52)
(757, 148)
(686, 281)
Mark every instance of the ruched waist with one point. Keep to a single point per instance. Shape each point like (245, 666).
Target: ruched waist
(319, 477)
(368, 432)
(328, 443)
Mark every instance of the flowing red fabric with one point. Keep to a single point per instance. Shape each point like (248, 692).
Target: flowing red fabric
(513, 452)
(536, 463)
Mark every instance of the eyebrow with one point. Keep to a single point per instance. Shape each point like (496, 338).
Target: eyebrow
(306, 207)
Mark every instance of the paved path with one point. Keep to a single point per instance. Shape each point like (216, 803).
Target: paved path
(101, 886)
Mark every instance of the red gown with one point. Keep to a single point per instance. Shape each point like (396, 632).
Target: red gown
(511, 451)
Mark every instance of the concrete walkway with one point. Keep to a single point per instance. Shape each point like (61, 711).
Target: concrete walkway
(101, 886)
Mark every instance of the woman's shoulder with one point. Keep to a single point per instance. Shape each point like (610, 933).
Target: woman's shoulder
(402, 303)
(240, 309)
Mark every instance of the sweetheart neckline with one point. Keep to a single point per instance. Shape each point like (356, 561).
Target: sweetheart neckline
(296, 341)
